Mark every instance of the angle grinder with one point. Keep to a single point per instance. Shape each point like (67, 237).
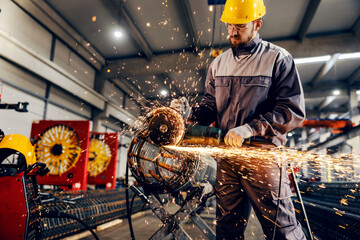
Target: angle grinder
(166, 126)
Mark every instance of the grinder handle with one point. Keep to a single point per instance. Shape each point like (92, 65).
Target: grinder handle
(212, 136)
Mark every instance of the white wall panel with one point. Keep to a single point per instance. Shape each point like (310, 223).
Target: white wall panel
(113, 93)
(73, 64)
(122, 157)
(19, 122)
(104, 129)
(56, 113)
(66, 100)
(19, 25)
(21, 78)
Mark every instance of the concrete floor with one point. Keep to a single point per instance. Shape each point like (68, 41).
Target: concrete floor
(146, 224)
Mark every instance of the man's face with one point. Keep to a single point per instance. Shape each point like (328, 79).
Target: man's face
(242, 34)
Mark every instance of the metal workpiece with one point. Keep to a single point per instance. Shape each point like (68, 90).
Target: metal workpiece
(160, 170)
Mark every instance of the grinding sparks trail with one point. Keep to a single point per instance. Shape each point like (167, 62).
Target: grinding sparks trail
(341, 167)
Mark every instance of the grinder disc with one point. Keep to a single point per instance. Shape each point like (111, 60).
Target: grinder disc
(166, 126)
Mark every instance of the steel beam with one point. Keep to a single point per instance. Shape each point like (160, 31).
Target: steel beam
(337, 139)
(325, 69)
(327, 101)
(308, 17)
(356, 28)
(162, 63)
(180, 60)
(355, 77)
(184, 11)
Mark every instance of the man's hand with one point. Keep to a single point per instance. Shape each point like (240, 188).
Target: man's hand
(235, 136)
(182, 106)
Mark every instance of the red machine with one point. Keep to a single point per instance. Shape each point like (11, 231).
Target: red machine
(338, 125)
(103, 159)
(19, 201)
(20, 220)
(63, 147)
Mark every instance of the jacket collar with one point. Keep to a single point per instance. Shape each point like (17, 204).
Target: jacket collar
(248, 48)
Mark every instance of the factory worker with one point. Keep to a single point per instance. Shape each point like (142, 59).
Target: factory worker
(251, 90)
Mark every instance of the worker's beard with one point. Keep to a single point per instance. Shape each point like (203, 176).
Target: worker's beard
(239, 41)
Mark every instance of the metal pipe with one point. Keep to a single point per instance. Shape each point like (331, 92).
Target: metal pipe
(298, 194)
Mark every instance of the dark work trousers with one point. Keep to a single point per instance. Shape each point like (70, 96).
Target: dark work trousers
(240, 185)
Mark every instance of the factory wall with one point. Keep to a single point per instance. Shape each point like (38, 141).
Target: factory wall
(41, 82)
(122, 157)
(21, 85)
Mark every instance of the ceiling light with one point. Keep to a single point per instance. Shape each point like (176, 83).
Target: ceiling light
(211, 8)
(163, 92)
(312, 59)
(350, 55)
(290, 134)
(118, 34)
(336, 92)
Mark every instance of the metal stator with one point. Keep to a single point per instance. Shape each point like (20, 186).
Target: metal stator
(159, 170)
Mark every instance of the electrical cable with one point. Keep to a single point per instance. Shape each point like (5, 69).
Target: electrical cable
(127, 202)
(132, 202)
(55, 214)
(278, 203)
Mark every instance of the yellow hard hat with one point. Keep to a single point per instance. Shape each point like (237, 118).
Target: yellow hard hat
(242, 11)
(20, 144)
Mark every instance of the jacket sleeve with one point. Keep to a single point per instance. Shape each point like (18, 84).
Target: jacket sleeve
(205, 112)
(288, 109)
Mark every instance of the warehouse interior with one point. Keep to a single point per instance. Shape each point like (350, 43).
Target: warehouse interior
(94, 67)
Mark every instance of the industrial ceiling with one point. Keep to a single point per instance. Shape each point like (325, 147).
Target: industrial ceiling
(164, 45)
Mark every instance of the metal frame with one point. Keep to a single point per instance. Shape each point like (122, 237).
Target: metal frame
(173, 223)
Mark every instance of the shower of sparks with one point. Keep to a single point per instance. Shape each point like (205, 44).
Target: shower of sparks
(341, 167)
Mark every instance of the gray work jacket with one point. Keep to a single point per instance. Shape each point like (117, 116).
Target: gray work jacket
(257, 84)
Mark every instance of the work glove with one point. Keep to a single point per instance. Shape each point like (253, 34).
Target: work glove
(235, 136)
(182, 106)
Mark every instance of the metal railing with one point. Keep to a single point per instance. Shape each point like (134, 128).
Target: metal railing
(333, 209)
(94, 207)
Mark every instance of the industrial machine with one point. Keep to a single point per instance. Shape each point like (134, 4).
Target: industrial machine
(20, 206)
(63, 145)
(27, 213)
(103, 159)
